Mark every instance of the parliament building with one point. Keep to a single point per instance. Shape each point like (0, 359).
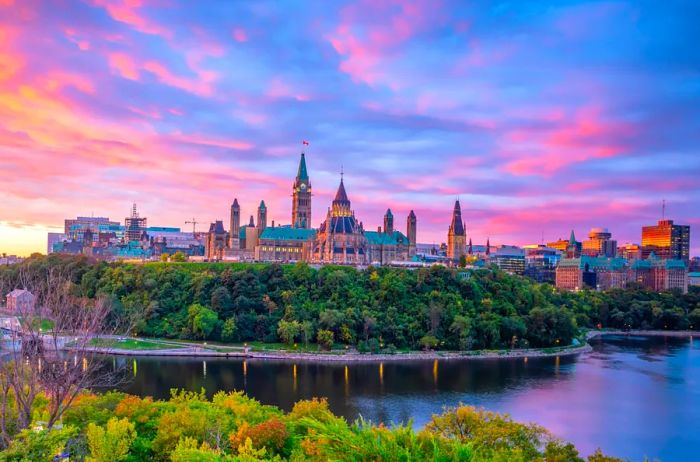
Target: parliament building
(340, 239)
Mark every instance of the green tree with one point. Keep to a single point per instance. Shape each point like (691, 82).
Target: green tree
(428, 342)
(201, 321)
(325, 339)
(228, 331)
(288, 330)
(179, 257)
(110, 443)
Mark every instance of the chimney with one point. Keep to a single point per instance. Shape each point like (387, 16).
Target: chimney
(379, 229)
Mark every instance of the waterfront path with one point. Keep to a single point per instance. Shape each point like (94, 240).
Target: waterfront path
(193, 349)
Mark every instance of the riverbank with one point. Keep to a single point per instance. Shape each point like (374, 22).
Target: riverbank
(186, 349)
(196, 350)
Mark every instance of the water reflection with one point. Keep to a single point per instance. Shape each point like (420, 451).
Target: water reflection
(633, 396)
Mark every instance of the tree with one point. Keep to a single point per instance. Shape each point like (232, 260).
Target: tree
(201, 320)
(221, 301)
(307, 332)
(428, 342)
(35, 364)
(462, 261)
(164, 257)
(461, 325)
(179, 256)
(228, 331)
(288, 330)
(325, 339)
(111, 443)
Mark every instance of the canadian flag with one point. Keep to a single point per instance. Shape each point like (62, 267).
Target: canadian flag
(305, 143)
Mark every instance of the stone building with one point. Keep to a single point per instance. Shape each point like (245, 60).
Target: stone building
(301, 197)
(659, 274)
(340, 238)
(456, 235)
(217, 242)
(20, 301)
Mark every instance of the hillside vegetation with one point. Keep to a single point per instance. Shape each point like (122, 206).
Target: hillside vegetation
(373, 309)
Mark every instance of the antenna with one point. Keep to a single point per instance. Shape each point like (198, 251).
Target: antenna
(341, 172)
(663, 209)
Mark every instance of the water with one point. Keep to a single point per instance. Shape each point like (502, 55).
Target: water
(632, 396)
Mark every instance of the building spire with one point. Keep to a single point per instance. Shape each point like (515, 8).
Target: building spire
(302, 174)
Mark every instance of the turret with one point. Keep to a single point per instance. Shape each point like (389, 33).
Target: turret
(388, 222)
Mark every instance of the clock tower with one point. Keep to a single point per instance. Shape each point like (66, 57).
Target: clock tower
(301, 197)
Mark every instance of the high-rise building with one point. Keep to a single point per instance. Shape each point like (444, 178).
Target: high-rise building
(262, 216)
(74, 228)
(134, 225)
(599, 244)
(667, 241)
(630, 251)
(235, 225)
(411, 233)
(388, 222)
(456, 234)
(301, 197)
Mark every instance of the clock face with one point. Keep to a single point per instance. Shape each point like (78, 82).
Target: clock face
(303, 187)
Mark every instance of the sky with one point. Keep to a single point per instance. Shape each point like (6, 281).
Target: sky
(541, 117)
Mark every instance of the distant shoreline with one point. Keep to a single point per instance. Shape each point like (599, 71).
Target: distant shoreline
(193, 351)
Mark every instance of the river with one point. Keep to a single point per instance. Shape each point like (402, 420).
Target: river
(631, 396)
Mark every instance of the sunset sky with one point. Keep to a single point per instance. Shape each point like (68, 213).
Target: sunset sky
(539, 118)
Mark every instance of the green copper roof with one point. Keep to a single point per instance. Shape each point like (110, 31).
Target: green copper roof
(280, 233)
(262, 205)
(594, 263)
(301, 173)
(572, 239)
(388, 213)
(376, 238)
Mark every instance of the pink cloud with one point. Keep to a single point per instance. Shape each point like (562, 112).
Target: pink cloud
(240, 35)
(127, 12)
(367, 43)
(588, 135)
(124, 65)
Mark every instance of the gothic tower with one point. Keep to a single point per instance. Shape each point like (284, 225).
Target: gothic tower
(235, 227)
(262, 217)
(301, 197)
(456, 235)
(388, 222)
(411, 233)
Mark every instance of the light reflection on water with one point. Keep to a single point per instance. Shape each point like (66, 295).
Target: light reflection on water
(632, 396)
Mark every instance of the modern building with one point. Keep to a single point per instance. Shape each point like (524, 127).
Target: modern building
(74, 228)
(599, 244)
(541, 263)
(456, 235)
(630, 251)
(509, 258)
(667, 241)
(52, 239)
(20, 301)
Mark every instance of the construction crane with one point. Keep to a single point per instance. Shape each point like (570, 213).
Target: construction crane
(194, 224)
